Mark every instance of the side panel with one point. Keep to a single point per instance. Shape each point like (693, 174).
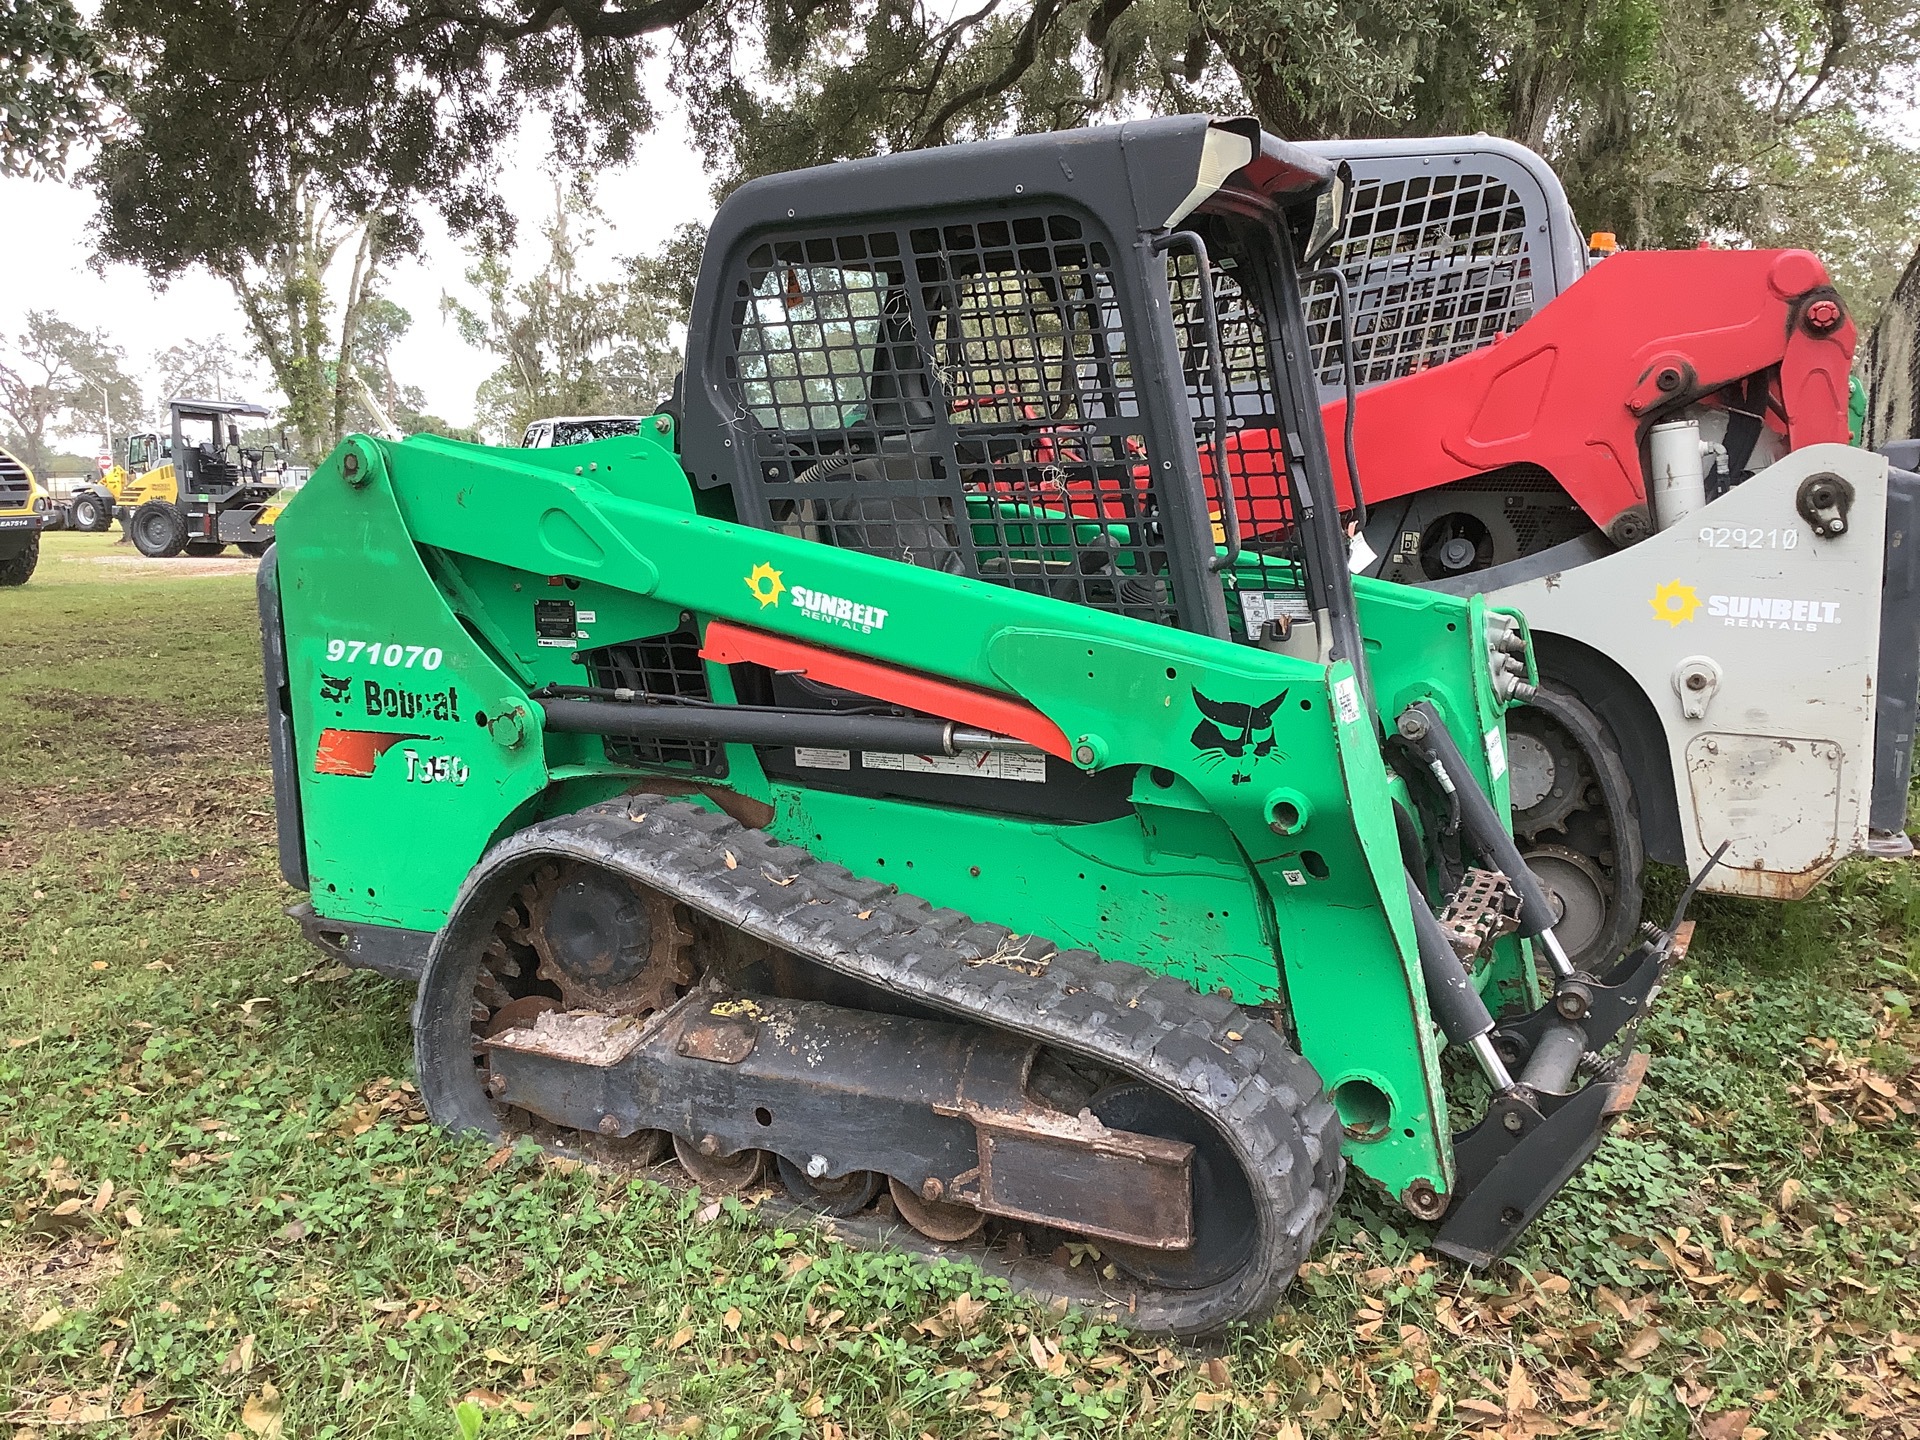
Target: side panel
(1116, 887)
(1783, 629)
(1899, 655)
(382, 677)
(155, 484)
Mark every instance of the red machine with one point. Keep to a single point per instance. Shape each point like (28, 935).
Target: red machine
(1754, 344)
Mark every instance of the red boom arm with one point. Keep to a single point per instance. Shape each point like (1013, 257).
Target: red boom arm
(1570, 390)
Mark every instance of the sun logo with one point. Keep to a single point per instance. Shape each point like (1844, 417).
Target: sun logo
(1675, 603)
(765, 584)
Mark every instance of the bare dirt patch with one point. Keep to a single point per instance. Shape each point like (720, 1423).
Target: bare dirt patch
(179, 566)
(78, 706)
(65, 1274)
(174, 796)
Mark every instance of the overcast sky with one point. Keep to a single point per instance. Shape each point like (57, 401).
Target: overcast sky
(45, 249)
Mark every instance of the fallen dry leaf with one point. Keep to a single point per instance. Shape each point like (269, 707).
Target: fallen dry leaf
(1521, 1395)
(1727, 1425)
(1642, 1345)
(264, 1414)
(239, 1359)
(1572, 1388)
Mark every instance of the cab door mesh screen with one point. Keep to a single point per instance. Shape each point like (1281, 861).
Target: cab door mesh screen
(958, 397)
(1270, 573)
(1436, 267)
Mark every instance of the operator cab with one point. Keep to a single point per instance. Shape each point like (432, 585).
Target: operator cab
(147, 450)
(206, 446)
(1027, 361)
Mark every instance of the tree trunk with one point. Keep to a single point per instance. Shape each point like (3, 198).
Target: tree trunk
(366, 264)
(283, 294)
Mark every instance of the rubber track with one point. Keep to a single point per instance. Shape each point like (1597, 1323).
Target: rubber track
(1224, 1061)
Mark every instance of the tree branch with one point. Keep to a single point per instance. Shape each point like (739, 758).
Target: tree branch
(1042, 19)
(948, 39)
(1839, 34)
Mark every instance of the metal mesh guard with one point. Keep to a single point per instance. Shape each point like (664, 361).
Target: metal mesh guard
(1436, 266)
(961, 397)
(667, 667)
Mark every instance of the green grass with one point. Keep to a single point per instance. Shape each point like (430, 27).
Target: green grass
(221, 1212)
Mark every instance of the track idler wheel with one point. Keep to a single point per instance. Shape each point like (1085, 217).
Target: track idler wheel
(1575, 821)
(720, 1174)
(935, 1219)
(847, 1195)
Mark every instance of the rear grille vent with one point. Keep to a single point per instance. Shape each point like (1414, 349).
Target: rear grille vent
(669, 668)
(1436, 265)
(15, 492)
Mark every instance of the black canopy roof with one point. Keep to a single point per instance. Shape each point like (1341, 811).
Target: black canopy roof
(1166, 166)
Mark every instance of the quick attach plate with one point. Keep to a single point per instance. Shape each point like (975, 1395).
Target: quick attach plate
(1529, 1144)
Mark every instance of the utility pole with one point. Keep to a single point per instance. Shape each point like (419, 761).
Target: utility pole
(106, 416)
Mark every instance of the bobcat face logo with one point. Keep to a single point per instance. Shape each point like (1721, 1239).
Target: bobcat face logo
(334, 689)
(1232, 731)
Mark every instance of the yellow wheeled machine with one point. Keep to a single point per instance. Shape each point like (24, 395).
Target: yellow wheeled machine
(193, 490)
(22, 515)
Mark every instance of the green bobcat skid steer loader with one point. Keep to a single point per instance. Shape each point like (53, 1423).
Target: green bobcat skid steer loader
(889, 771)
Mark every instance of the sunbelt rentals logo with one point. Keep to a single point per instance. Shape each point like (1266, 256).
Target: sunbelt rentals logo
(1676, 602)
(765, 584)
(769, 584)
